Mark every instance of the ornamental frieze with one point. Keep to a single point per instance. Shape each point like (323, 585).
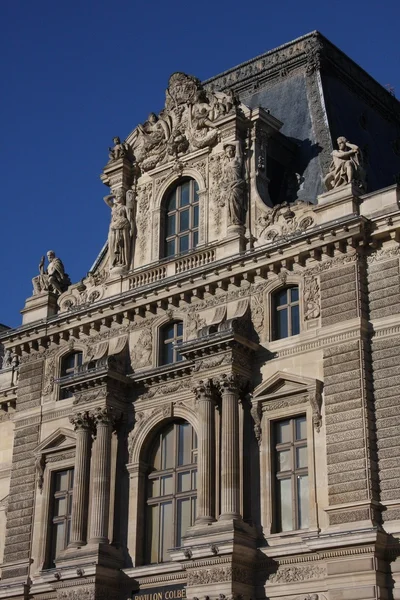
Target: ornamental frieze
(297, 573)
(219, 575)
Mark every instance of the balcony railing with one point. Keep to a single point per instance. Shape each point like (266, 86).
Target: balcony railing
(193, 261)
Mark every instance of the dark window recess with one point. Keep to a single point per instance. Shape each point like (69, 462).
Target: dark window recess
(276, 173)
(171, 335)
(181, 218)
(60, 513)
(285, 313)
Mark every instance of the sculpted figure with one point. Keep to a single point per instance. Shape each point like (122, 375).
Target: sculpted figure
(154, 131)
(346, 166)
(119, 149)
(119, 236)
(7, 360)
(53, 279)
(233, 184)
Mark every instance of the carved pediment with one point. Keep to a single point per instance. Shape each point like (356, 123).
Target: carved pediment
(285, 220)
(284, 384)
(60, 439)
(186, 124)
(283, 390)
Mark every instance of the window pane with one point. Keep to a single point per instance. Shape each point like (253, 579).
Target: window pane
(78, 359)
(157, 457)
(283, 432)
(171, 204)
(283, 460)
(194, 480)
(196, 216)
(168, 450)
(301, 428)
(179, 329)
(302, 498)
(195, 238)
(171, 225)
(166, 530)
(170, 248)
(167, 354)
(154, 488)
(185, 444)
(294, 294)
(285, 504)
(295, 317)
(196, 189)
(281, 298)
(167, 485)
(184, 243)
(282, 324)
(152, 533)
(168, 332)
(184, 220)
(194, 509)
(60, 506)
(58, 539)
(184, 510)
(61, 481)
(184, 481)
(185, 193)
(301, 457)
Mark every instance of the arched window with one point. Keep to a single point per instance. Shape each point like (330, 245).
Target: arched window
(285, 313)
(171, 335)
(181, 218)
(69, 366)
(171, 491)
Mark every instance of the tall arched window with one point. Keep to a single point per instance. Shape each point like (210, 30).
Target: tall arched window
(285, 313)
(171, 335)
(171, 491)
(181, 218)
(69, 366)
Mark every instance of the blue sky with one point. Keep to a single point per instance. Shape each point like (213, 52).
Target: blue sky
(74, 74)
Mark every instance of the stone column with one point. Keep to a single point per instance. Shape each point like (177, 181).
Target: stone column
(230, 473)
(206, 457)
(82, 423)
(101, 475)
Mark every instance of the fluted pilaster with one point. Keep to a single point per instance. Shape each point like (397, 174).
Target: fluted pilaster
(230, 473)
(101, 475)
(206, 456)
(83, 425)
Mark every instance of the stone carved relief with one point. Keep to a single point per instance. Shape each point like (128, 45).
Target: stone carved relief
(193, 323)
(187, 122)
(218, 575)
(346, 166)
(48, 383)
(141, 355)
(81, 295)
(143, 198)
(215, 194)
(212, 361)
(383, 254)
(285, 220)
(257, 312)
(168, 388)
(311, 298)
(300, 573)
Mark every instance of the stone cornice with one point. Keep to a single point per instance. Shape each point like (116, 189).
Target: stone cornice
(272, 255)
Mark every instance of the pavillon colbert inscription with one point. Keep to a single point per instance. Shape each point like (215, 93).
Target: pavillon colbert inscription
(170, 592)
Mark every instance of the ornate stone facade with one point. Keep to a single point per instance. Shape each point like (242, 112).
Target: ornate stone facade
(235, 298)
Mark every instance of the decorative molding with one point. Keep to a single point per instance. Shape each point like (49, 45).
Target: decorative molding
(219, 574)
(311, 298)
(297, 573)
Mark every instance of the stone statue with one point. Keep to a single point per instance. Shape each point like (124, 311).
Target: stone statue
(233, 184)
(7, 360)
(53, 279)
(346, 166)
(119, 150)
(120, 232)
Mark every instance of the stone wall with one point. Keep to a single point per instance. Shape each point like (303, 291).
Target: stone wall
(22, 486)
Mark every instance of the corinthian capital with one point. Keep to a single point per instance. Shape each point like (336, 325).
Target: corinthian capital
(203, 389)
(103, 416)
(81, 420)
(230, 382)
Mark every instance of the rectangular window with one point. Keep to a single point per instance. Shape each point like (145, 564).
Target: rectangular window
(291, 474)
(60, 513)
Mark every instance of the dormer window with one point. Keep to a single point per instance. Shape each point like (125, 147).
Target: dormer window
(181, 231)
